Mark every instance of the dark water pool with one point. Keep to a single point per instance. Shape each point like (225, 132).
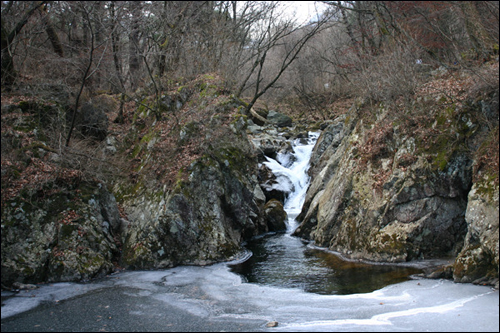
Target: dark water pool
(285, 261)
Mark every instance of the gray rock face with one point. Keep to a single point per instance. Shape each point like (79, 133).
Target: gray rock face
(389, 213)
(204, 219)
(279, 119)
(478, 260)
(406, 220)
(68, 236)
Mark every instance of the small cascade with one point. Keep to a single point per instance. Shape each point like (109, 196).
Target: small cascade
(284, 260)
(290, 170)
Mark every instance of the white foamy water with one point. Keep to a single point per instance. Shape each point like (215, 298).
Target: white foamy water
(292, 177)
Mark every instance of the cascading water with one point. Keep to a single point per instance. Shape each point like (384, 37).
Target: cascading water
(286, 261)
(291, 170)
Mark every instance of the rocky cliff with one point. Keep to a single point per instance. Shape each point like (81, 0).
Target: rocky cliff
(401, 182)
(181, 187)
(214, 206)
(178, 182)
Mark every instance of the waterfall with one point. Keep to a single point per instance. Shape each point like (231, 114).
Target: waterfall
(286, 261)
(290, 169)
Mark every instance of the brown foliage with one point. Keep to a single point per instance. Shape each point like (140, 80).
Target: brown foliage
(377, 143)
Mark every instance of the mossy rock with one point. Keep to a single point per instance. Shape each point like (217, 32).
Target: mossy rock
(57, 234)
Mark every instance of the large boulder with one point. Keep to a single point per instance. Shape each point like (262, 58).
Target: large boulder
(478, 260)
(276, 216)
(60, 232)
(272, 186)
(91, 121)
(279, 119)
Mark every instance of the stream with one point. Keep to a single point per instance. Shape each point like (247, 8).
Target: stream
(281, 284)
(285, 261)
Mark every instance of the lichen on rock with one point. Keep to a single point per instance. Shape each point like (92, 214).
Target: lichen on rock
(383, 192)
(66, 235)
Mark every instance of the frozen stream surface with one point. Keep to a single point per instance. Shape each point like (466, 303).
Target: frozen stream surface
(214, 299)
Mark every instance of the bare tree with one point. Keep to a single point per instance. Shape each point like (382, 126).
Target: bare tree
(272, 36)
(7, 38)
(135, 8)
(85, 76)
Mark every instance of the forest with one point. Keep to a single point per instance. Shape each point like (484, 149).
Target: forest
(72, 52)
(375, 49)
(378, 50)
(134, 94)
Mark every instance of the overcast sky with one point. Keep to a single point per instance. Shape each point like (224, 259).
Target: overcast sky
(303, 11)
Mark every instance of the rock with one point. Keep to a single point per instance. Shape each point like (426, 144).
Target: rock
(276, 216)
(272, 324)
(22, 286)
(402, 207)
(59, 236)
(111, 143)
(478, 260)
(174, 102)
(271, 187)
(418, 213)
(279, 119)
(252, 128)
(214, 208)
(269, 144)
(91, 121)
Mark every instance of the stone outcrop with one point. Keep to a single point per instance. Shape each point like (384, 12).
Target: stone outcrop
(378, 192)
(397, 202)
(67, 229)
(216, 202)
(203, 220)
(63, 232)
(478, 260)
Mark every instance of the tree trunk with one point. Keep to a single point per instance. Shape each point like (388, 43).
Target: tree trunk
(134, 57)
(49, 29)
(8, 71)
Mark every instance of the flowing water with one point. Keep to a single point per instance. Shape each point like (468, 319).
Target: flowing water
(285, 261)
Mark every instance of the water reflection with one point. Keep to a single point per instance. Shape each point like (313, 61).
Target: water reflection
(285, 261)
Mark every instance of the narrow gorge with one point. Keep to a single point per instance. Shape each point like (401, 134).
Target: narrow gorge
(381, 190)
(252, 188)
(250, 166)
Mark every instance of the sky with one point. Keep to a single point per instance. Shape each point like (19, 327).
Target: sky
(303, 11)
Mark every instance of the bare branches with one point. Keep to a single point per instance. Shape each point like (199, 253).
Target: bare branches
(85, 75)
